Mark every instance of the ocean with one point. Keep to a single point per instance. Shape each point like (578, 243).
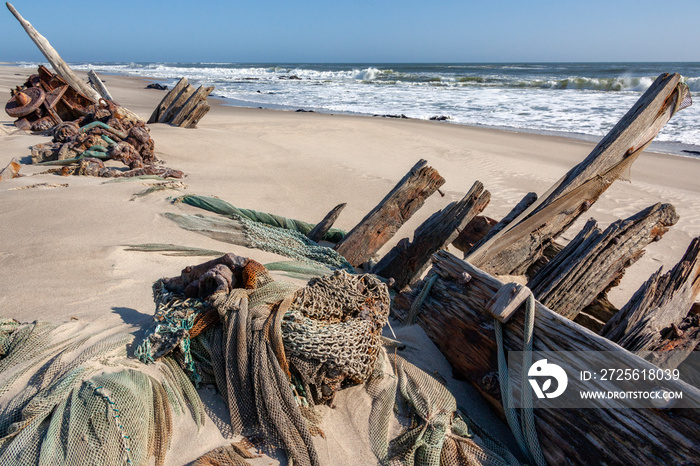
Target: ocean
(581, 100)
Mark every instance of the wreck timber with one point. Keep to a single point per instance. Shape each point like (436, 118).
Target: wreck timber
(322, 227)
(515, 248)
(454, 316)
(408, 260)
(99, 85)
(594, 259)
(199, 95)
(660, 303)
(382, 222)
(168, 100)
(183, 105)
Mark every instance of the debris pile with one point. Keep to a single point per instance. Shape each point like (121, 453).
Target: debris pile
(84, 132)
(44, 101)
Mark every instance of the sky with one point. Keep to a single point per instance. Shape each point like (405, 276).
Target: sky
(359, 31)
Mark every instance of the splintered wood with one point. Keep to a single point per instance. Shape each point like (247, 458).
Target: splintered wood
(183, 106)
(382, 223)
(456, 316)
(516, 247)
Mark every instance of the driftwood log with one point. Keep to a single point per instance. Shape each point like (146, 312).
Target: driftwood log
(322, 227)
(515, 248)
(408, 260)
(382, 222)
(183, 105)
(661, 302)
(594, 259)
(454, 316)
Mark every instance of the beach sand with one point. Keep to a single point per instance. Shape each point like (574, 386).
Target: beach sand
(62, 254)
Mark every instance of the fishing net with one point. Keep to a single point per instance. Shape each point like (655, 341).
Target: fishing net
(276, 352)
(219, 206)
(272, 349)
(252, 234)
(70, 397)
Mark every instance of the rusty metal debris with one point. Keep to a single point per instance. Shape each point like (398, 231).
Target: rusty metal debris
(44, 101)
(84, 133)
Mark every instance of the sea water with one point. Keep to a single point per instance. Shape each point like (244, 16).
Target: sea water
(582, 100)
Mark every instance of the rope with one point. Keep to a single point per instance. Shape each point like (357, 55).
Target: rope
(415, 307)
(524, 432)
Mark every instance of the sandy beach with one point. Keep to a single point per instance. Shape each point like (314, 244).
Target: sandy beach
(63, 257)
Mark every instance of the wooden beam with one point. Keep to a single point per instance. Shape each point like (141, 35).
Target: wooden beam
(193, 118)
(407, 261)
(455, 317)
(512, 250)
(54, 58)
(168, 100)
(181, 115)
(596, 258)
(660, 302)
(520, 207)
(99, 85)
(676, 344)
(176, 104)
(322, 227)
(382, 222)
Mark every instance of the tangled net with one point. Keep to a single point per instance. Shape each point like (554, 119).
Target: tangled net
(275, 351)
(71, 398)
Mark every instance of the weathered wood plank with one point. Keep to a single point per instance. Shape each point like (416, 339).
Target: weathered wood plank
(382, 222)
(407, 261)
(168, 100)
(516, 247)
(54, 58)
(177, 104)
(322, 227)
(515, 212)
(676, 344)
(99, 85)
(661, 301)
(199, 111)
(595, 258)
(181, 115)
(473, 232)
(454, 316)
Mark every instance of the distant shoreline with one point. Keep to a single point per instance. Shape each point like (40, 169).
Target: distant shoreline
(666, 147)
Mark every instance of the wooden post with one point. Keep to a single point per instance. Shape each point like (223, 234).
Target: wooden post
(382, 222)
(177, 104)
(516, 247)
(407, 261)
(54, 58)
(168, 99)
(594, 259)
(455, 316)
(662, 301)
(200, 94)
(322, 227)
(193, 118)
(99, 85)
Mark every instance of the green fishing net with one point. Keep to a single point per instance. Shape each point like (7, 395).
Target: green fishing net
(219, 206)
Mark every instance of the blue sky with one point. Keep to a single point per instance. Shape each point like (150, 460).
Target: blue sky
(359, 31)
